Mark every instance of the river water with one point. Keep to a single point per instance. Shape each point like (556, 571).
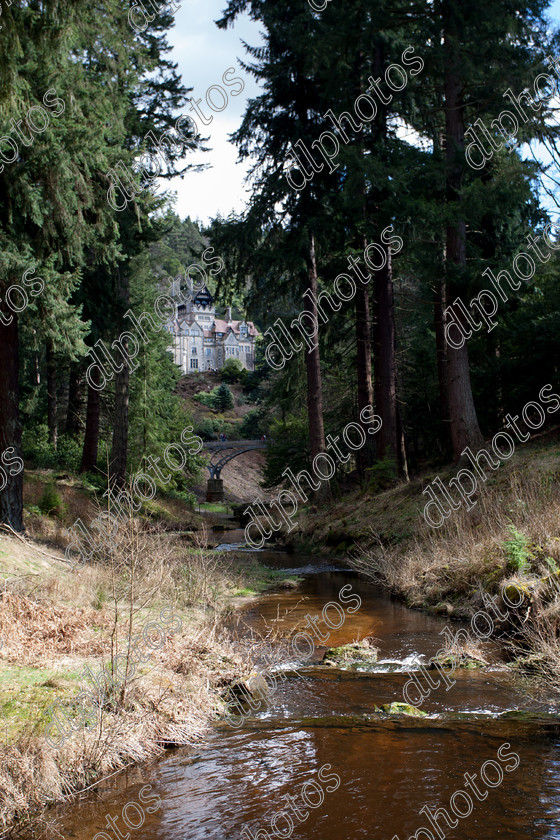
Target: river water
(363, 775)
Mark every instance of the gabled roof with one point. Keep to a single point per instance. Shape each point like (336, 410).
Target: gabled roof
(223, 326)
(231, 338)
(220, 326)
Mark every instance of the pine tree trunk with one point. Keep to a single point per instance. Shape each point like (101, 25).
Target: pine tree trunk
(11, 497)
(313, 368)
(441, 355)
(440, 305)
(63, 397)
(74, 412)
(385, 368)
(402, 462)
(91, 437)
(495, 350)
(119, 450)
(52, 397)
(364, 456)
(464, 428)
(390, 439)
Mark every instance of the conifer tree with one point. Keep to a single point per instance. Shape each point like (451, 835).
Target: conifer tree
(466, 79)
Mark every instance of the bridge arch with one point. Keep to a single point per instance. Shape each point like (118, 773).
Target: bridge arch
(222, 453)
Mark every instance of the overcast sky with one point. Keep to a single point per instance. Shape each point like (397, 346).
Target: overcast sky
(203, 54)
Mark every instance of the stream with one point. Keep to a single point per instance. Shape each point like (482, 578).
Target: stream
(363, 777)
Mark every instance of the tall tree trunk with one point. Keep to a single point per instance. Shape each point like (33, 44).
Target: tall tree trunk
(495, 348)
(11, 496)
(63, 398)
(385, 368)
(440, 305)
(441, 356)
(119, 450)
(74, 412)
(364, 456)
(52, 396)
(402, 462)
(313, 368)
(464, 426)
(390, 440)
(91, 437)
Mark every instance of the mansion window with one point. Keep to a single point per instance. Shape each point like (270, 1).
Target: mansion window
(193, 351)
(194, 364)
(208, 352)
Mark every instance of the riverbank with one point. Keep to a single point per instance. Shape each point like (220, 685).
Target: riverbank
(346, 723)
(511, 538)
(148, 624)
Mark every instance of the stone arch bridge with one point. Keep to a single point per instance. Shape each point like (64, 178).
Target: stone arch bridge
(223, 451)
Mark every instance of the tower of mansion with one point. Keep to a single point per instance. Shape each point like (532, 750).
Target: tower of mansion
(203, 342)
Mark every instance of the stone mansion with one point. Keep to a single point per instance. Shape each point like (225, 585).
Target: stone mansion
(203, 342)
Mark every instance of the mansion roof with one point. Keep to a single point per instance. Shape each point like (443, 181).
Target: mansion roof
(197, 318)
(219, 327)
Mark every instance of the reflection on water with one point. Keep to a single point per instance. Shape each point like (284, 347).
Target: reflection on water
(387, 777)
(389, 769)
(398, 631)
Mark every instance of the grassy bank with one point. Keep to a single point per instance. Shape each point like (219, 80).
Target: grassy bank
(510, 538)
(150, 688)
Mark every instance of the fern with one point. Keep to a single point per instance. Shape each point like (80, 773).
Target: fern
(516, 549)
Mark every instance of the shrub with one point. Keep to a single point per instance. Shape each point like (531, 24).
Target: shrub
(51, 503)
(96, 481)
(209, 428)
(43, 455)
(254, 424)
(219, 399)
(206, 398)
(36, 447)
(382, 474)
(186, 496)
(252, 385)
(233, 371)
(69, 453)
(223, 398)
(231, 430)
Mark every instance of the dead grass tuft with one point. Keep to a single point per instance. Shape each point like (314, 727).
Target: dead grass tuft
(447, 566)
(34, 629)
